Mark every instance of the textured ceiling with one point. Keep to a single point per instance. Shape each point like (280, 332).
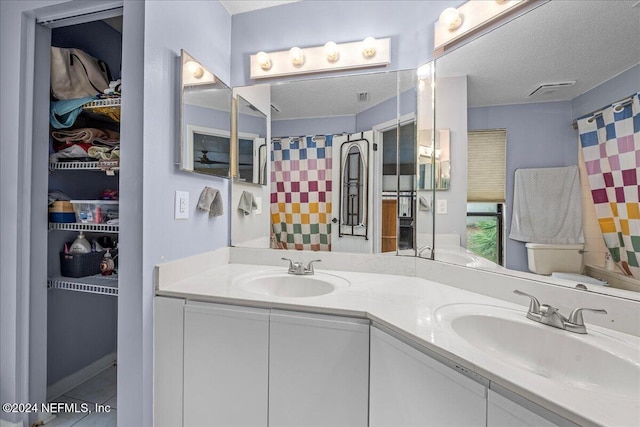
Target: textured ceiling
(588, 42)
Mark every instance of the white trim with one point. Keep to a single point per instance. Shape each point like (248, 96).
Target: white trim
(78, 377)
(188, 149)
(79, 13)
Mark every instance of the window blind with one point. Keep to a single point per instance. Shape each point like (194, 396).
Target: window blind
(486, 165)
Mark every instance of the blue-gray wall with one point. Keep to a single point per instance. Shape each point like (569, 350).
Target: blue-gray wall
(538, 135)
(619, 87)
(317, 126)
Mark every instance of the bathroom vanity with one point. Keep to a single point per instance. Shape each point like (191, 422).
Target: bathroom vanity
(356, 348)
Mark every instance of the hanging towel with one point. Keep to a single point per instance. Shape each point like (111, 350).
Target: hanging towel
(64, 113)
(547, 206)
(247, 203)
(211, 201)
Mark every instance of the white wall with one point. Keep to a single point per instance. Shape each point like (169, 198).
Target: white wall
(451, 113)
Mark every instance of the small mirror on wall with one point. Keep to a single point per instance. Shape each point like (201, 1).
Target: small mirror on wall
(252, 143)
(205, 120)
(434, 164)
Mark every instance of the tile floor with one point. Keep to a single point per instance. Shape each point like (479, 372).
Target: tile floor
(99, 389)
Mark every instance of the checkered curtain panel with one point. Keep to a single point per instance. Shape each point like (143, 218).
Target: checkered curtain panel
(611, 148)
(301, 192)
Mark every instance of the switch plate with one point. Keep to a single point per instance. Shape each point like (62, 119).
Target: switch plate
(441, 206)
(258, 210)
(181, 208)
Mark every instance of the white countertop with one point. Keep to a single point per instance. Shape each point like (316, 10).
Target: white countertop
(408, 306)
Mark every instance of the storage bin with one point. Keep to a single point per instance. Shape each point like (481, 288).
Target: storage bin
(80, 265)
(62, 211)
(95, 211)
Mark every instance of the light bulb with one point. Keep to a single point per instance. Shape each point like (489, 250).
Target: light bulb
(369, 47)
(451, 18)
(263, 60)
(331, 51)
(296, 55)
(195, 69)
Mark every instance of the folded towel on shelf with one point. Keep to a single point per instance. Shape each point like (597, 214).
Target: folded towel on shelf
(247, 203)
(547, 206)
(210, 201)
(63, 114)
(104, 153)
(66, 138)
(77, 151)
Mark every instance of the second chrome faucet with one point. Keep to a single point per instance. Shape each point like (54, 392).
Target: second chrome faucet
(299, 269)
(549, 315)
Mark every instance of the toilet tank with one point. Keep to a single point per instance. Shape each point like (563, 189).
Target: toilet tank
(547, 258)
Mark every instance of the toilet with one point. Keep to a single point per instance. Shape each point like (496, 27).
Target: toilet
(560, 261)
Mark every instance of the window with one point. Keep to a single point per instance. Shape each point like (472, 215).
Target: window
(486, 189)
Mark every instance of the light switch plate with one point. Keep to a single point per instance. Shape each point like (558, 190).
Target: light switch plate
(258, 210)
(441, 206)
(181, 208)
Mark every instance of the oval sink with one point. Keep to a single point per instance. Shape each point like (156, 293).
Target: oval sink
(596, 362)
(282, 284)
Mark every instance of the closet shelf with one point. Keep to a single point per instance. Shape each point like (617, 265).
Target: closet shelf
(98, 284)
(106, 102)
(103, 165)
(77, 226)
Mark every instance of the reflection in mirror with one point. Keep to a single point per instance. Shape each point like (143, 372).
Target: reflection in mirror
(328, 181)
(252, 143)
(512, 79)
(205, 120)
(434, 165)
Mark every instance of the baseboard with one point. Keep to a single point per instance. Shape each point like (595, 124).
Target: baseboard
(78, 377)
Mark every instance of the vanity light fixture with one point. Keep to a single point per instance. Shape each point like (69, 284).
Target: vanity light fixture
(297, 57)
(369, 47)
(263, 60)
(195, 69)
(471, 18)
(450, 18)
(331, 51)
(331, 56)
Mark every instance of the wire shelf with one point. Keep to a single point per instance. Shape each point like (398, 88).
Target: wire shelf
(98, 284)
(77, 226)
(103, 165)
(105, 102)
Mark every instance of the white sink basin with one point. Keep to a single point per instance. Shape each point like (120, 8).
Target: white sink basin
(282, 284)
(596, 362)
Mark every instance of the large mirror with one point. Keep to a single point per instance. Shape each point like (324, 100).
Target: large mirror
(252, 156)
(205, 120)
(522, 86)
(342, 164)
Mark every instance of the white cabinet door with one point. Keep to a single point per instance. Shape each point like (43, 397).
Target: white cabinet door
(167, 361)
(318, 370)
(503, 412)
(408, 388)
(226, 353)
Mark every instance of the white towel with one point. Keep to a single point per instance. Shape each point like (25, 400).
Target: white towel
(547, 206)
(211, 201)
(247, 203)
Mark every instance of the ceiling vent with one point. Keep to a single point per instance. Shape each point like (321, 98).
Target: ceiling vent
(274, 108)
(550, 88)
(362, 96)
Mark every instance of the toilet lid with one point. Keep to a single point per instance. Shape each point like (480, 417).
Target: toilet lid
(579, 278)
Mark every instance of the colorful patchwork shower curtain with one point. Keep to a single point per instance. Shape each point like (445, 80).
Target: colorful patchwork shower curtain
(611, 148)
(301, 192)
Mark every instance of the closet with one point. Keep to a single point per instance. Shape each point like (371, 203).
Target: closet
(82, 296)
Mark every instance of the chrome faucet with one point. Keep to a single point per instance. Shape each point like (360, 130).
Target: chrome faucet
(424, 248)
(549, 315)
(299, 269)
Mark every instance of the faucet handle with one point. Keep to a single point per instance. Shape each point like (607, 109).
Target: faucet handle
(576, 315)
(310, 265)
(534, 305)
(290, 263)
